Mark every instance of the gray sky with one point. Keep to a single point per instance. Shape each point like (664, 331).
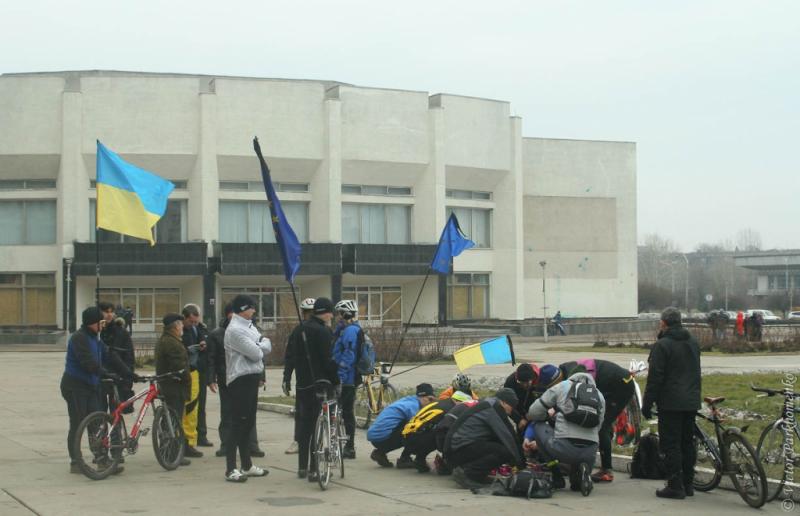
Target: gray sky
(710, 91)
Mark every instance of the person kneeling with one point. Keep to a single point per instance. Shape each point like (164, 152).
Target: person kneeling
(386, 433)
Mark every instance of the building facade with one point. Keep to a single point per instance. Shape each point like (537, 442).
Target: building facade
(367, 178)
(778, 274)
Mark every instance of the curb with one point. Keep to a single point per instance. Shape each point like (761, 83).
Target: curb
(288, 410)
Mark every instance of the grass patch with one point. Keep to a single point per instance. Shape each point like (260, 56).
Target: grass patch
(644, 351)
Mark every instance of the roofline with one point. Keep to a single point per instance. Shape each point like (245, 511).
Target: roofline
(577, 140)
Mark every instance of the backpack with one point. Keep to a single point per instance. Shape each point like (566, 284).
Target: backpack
(365, 361)
(647, 460)
(526, 483)
(583, 405)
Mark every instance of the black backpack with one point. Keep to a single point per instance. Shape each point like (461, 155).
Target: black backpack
(647, 460)
(583, 405)
(525, 483)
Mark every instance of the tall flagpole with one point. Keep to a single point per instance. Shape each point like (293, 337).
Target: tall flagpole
(96, 250)
(408, 324)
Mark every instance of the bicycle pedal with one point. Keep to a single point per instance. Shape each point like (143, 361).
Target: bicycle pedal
(144, 431)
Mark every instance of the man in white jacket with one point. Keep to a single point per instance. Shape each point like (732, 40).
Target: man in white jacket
(245, 350)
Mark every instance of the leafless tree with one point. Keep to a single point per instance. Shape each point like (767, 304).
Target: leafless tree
(748, 239)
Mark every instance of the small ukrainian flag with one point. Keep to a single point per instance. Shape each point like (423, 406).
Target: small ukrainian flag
(493, 351)
(130, 200)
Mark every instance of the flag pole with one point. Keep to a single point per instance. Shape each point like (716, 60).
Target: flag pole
(96, 256)
(408, 324)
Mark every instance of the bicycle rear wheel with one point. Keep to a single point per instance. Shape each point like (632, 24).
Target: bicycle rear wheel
(388, 395)
(341, 438)
(363, 406)
(167, 437)
(322, 447)
(746, 472)
(772, 455)
(97, 445)
(708, 468)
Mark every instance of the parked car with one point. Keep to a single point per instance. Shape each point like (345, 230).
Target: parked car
(793, 315)
(732, 314)
(650, 315)
(767, 315)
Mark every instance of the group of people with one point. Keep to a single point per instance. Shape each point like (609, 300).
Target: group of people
(749, 327)
(559, 415)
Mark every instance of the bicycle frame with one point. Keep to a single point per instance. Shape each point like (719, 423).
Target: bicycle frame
(379, 376)
(149, 395)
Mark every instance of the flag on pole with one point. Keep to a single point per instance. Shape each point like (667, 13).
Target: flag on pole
(451, 243)
(284, 235)
(492, 351)
(130, 200)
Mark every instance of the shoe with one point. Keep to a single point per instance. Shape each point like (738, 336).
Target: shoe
(185, 462)
(584, 472)
(673, 489)
(422, 465)
(255, 471)
(75, 468)
(688, 488)
(464, 481)
(603, 475)
(301, 473)
(220, 453)
(349, 453)
(191, 451)
(205, 443)
(257, 453)
(117, 470)
(235, 476)
(405, 463)
(313, 476)
(381, 459)
(292, 449)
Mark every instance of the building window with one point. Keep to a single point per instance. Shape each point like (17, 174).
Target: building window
(376, 224)
(258, 186)
(27, 222)
(401, 191)
(468, 296)
(247, 222)
(27, 184)
(469, 194)
(171, 228)
(377, 304)
(148, 305)
(275, 304)
(28, 299)
(476, 223)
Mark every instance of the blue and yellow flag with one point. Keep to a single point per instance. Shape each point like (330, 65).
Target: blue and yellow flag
(451, 243)
(130, 200)
(494, 351)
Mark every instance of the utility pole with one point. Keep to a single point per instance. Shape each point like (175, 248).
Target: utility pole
(544, 300)
(686, 291)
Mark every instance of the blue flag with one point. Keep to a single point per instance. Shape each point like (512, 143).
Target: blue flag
(284, 235)
(451, 243)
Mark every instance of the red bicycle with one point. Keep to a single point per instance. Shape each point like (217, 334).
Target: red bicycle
(102, 438)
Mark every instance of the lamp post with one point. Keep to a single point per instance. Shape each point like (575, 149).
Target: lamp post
(788, 286)
(544, 300)
(686, 290)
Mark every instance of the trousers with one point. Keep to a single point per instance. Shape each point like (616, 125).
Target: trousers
(244, 403)
(676, 441)
(480, 457)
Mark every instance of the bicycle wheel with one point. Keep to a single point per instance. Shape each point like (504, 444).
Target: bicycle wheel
(388, 395)
(745, 470)
(772, 454)
(322, 447)
(167, 437)
(363, 406)
(708, 469)
(341, 438)
(97, 446)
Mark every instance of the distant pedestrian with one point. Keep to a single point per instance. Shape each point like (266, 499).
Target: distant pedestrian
(558, 322)
(740, 323)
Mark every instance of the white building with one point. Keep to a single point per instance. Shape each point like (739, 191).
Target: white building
(367, 177)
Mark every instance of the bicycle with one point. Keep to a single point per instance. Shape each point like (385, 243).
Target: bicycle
(628, 426)
(778, 449)
(731, 454)
(329, 435)
(104, 439)
(374, 394)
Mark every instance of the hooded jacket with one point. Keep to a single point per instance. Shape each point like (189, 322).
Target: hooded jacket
(309, 359)
(485, 421)
(557, 397)
(245, 349)
(345, 353)
(673, 376)
(399, 412)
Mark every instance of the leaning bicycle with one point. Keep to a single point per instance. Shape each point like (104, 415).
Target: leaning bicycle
(329, 435)
(102, 439)
(779, 445)
(730, 454)
(628, 425)
(374, 394)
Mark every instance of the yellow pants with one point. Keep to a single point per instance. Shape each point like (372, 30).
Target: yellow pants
(190, 411)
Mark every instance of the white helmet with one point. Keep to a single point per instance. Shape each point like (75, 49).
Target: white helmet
(307, 303)
(347, 307)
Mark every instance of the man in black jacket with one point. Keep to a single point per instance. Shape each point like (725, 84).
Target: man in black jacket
(523, 382)
(311, 361)
(674, 385)
(118, 340)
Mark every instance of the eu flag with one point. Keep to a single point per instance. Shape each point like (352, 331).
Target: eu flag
(284, 235)
(451, 243)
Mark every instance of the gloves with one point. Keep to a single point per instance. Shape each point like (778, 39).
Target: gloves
(647, 411)
(287, 387)
(113, 377)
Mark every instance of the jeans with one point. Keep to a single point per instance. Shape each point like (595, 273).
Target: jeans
(616, 401)
(347, 401)
(244, 403)
(676, 442)
(393, 442)
(80, 403)
(566, 451)
(478, 458)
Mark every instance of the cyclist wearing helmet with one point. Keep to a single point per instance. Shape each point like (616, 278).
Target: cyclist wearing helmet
(345, 354)
(307, 308)
(461, 382)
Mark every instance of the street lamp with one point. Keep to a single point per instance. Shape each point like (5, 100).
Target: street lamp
(543, 264)
(686, 291)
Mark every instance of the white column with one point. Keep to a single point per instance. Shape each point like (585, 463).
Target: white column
(325, 216)
(429, 190)
(204, 183)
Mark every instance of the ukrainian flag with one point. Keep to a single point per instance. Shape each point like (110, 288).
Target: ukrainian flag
(493, 351)
(130, 200)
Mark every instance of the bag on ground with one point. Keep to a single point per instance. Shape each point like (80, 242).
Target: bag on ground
(525, 483)
(647, 460)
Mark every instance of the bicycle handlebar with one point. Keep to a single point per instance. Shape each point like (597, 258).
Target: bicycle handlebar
(152, 378)
(773, 392)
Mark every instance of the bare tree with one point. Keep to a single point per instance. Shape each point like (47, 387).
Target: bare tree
(748, 239)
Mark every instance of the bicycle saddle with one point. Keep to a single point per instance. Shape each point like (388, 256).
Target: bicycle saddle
(713, 401)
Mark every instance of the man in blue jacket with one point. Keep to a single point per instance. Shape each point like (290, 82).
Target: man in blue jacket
(386, 433)
(345, 354)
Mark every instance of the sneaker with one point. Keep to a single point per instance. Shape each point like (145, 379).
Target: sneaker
(205, 443)
(603, 475)
(191, 451)
(464, 481)
(255, 471)
(422, 465)
(235, 476)
(221, 453)
(292, 449)
(585, 479)
(405, 463)
(349, 453)
(381, 459)
(258, 453)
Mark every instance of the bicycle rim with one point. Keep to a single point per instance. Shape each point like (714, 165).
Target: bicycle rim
(363, 406)
(341, 438)
(322, 452)
(98, 447)
(387, 397)
(746, 472)
(772, 455)
(167, 438)
(708, 470)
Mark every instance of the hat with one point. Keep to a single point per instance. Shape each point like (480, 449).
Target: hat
(228, 309)
(91, 315)
(323, 305)
(507, 395)
(526, 373)
(461, 396)
(549, 375)
(423, 389)
(171, 318)
(242, 302)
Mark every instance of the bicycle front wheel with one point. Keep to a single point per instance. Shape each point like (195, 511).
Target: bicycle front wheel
(388, 395)
(363, 406)
(167, 437)
(322, 447)
(772, 453)
(341, 438)
(708, 468)
(98, 445)
(745, 471)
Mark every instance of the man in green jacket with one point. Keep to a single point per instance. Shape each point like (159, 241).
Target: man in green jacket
(170, 355)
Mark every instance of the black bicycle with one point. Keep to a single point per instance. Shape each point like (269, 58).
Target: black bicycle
(779, 445)
(730, 454)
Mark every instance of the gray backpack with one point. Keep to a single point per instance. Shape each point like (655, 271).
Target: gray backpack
(583, 405)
